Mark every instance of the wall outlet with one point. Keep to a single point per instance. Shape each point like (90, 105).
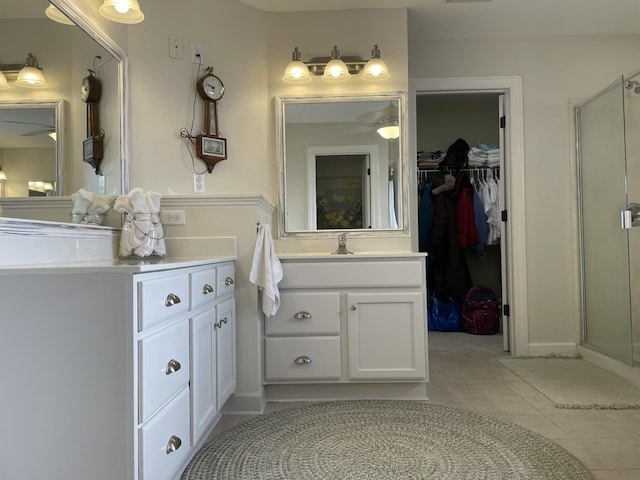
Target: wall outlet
(101, 185)
(196, 53)
(176, 48)
(199, 183)
(172, 217)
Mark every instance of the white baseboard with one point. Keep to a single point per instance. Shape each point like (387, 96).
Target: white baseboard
(239, 404)
(552, 349)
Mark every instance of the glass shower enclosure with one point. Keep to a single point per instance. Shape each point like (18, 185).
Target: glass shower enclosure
(609, 184)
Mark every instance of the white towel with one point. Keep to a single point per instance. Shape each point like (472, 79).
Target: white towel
(142, 241)
(157, 231)
(82, 199)
(266, 271)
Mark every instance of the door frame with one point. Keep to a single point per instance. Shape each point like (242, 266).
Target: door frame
(514, 178)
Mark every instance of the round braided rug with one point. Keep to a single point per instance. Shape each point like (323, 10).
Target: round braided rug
(374, 439)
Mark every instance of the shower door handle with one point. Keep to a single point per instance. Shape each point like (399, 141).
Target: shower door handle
(631, 217)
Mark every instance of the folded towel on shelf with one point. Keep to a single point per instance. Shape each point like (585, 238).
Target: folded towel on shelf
(157, 230)
(82, 200)
(266, 271)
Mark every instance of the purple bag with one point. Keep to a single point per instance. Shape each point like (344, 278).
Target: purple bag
(480, 311)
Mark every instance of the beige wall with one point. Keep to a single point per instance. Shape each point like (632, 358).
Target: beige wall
(556, 71)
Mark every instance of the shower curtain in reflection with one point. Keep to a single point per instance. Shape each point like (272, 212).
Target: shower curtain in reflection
(608, 151)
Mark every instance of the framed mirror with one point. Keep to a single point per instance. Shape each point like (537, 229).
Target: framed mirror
(342, 165)
(65, 53)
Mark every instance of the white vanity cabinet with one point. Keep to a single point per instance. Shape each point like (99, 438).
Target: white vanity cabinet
(112, 363)
(348, 319)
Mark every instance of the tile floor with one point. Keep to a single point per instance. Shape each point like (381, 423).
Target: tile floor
(469, 377)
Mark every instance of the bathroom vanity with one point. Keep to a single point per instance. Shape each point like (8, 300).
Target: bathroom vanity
(348, 324)
(114, 369)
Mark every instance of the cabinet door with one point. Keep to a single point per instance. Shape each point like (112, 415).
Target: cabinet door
(204, 407)
(226, 350)
(386, 335)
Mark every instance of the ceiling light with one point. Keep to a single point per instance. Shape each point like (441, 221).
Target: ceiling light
(27, 74)
(375, 69)
(296, 71)
(57, 16)
(122, 11)
(389, 132)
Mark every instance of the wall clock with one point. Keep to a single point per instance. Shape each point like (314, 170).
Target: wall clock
(211, 147)
(92, 146)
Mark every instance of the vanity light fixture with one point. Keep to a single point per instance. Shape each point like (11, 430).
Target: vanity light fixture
(122, 11)
(57, 16)
(336, 68)
(27, 74)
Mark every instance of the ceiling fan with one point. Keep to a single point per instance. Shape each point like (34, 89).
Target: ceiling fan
(44, 131)
(372, 121)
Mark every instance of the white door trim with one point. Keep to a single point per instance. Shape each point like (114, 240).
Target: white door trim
(514, 177)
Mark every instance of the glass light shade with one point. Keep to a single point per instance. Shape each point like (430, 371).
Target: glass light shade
(375, 69)
(3, 81)
(336, 71)
(57, 16)
(296, 72)
(389, 132)
(3, 176)
(31, 77)
(54, 136)
(122, 11)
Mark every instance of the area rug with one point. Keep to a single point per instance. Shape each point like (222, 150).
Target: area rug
(382, 440)
(575, 383)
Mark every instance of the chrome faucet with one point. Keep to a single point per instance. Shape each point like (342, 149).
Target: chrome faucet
(342, 245)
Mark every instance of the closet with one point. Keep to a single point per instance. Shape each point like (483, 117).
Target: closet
(475, 117)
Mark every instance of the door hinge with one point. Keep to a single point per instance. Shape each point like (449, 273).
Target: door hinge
(503, 215)
(503, 121)
(505, 309)
(368, 171)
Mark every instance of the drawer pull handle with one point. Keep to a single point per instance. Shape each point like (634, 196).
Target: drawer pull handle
(302, 360)
(173, 366)
(172, 299)
(302, 315)
(173, 444)
(228, 281)
(353, 308)
(207, 289)
(222, 321)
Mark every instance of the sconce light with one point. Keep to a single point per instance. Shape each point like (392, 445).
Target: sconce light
(3, 176)
(336, 68)
(27, 74)
(57, 16)
(122, 11)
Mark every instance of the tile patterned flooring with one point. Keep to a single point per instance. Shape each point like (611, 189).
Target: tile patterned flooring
(470, 377)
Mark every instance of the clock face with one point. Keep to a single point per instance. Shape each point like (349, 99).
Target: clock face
(212, 87)
(91, 89)
(85, 90)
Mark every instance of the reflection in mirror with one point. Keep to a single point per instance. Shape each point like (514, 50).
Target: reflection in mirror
(31, 142)
(339, 166)
(65, 52)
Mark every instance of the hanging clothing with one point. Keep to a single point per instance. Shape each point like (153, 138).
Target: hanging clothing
(490, 198)
(425, 216)
(482, 226)
(465, 221)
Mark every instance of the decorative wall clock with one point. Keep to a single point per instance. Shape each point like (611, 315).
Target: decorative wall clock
(210, 146)
(92, 146)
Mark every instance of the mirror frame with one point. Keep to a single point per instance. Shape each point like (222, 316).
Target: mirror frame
(85, 24)
(59, 106)
(281, 102)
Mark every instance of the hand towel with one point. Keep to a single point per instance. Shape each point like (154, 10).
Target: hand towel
(266, 271)
(127, 235)
(157, 231)
(101, 204)
(142, 241)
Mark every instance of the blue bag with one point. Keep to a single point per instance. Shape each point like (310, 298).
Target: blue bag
(443, 317)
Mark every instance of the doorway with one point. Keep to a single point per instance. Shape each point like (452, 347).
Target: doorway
(513, 251)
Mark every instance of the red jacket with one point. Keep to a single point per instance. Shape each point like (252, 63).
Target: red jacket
(465, 220)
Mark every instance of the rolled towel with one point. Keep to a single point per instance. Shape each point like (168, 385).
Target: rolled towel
(157, 230)
(82, 199)
(101, 204)
(143, 243)
(127, 235)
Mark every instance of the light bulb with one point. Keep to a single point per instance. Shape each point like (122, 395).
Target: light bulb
(121, 7)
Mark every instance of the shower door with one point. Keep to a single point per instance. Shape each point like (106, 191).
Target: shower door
(606, 271)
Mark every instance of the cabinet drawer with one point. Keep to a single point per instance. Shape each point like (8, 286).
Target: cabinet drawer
(158, 298)
(164, 361)
(226, 279)
(306, 313)
(164, 441)
(203, 286)
(302, 358)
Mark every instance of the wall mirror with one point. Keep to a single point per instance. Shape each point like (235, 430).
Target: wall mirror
(29, 118)
(342, 165)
